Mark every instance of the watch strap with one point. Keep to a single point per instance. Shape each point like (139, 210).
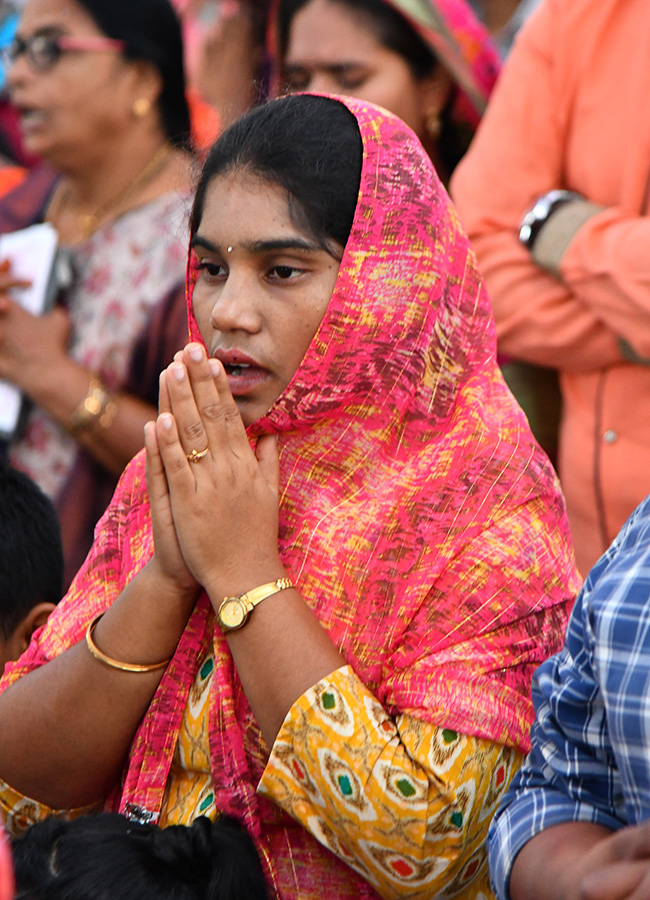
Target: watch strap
(540, 212)
(248, 601)
(558, 231)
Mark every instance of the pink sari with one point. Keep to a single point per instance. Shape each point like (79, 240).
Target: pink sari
(418, 517)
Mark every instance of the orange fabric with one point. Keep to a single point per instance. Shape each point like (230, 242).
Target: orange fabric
(566, 113)
(11, 177)
(204, 119)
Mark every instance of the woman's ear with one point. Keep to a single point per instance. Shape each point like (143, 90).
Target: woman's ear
(434, 91)
(146, 87)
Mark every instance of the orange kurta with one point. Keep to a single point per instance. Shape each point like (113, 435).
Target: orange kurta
(568, 113)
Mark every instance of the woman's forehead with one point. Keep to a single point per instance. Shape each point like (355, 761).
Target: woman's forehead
(245, 207)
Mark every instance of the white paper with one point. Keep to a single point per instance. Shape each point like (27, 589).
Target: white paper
(31, 252)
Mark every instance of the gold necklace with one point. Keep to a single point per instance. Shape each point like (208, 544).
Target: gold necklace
(88, 222)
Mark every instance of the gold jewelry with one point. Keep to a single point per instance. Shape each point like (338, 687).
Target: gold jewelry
(433, 124)
(141, 107)
(96, 406)
(234, 612)
(88, 222)
(114, 663)
(196, 455)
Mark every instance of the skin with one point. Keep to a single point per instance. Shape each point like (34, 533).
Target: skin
(332, 49)
(265, 299)
(18, 641)
(263, 283)
(583, 861)
(79, 117)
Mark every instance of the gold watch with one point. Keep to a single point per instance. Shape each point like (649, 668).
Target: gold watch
(234, 612)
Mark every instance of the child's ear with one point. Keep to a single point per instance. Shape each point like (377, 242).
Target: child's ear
(37, 616)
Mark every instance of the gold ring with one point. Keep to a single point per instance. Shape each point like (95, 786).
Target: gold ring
(196, 455)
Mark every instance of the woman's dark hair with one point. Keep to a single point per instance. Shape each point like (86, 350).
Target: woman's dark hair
(394, 32)
(108, 857)
(151, 32)
(310, 146)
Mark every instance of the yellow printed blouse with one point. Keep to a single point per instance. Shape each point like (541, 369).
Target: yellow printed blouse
(404, 803)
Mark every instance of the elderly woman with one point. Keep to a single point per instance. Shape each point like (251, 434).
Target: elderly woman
(431, 63)
(323, 615)
(100, 91)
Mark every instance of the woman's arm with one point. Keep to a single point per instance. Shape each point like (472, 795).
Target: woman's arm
(66, 727)
(570, 322)
(405, 803)
(283, 650)
(33, 356)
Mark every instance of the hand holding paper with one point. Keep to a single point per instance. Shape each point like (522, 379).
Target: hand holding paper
(28, 340)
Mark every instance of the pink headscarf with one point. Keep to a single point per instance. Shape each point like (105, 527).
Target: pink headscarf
(418, 517)
(402, 450)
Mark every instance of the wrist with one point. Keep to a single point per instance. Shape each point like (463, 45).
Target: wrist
(166, 586)
(540, 212)
(239, 581)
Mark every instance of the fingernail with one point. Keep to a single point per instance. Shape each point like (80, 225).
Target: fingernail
(178, 371)
(165, 420)
(215, 367)
(196, 353)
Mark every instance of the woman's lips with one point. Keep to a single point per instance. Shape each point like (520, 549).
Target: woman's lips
(243, 378)
(31, 120)
(243, 373)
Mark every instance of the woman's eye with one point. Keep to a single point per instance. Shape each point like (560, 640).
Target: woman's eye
(297, 80)
(352, 81)
(285, 272)
(214, 270)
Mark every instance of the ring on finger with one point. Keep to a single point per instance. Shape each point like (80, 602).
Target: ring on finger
(196, 455)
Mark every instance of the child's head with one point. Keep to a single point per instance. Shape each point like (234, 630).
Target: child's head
(108, 857)
(31, 561)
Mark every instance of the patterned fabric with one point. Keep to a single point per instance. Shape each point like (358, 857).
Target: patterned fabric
(460, 40)
(418, 518)
(591, 746)
(190, 791)
(404, 803)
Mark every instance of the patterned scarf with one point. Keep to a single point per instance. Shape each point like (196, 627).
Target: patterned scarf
(418, 517)
(401, 449)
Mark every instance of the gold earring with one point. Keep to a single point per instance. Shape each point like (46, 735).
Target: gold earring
(141, 107)
(433, 124)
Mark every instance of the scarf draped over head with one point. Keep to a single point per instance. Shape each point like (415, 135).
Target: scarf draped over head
(404, 461)
(455, 35)
(418, 518)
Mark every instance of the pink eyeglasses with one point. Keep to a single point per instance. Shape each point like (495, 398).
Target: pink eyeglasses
(44, 50)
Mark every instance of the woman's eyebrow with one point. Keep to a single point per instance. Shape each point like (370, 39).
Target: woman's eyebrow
(271, 244)
(198, 241)
(293, 243)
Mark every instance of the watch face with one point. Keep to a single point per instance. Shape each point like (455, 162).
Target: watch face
(232, 613)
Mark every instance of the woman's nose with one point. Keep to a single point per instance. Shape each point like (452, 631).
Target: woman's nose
(16, 72)
(323, 83)
(235, 309)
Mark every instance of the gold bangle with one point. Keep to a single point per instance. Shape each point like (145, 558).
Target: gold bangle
(114, 663)
(96, 406)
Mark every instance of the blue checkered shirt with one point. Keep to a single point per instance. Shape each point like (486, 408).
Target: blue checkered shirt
(591, 736)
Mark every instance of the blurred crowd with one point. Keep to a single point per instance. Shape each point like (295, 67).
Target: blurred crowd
(529, 115)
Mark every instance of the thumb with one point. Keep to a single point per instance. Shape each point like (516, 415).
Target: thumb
(266, 453)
